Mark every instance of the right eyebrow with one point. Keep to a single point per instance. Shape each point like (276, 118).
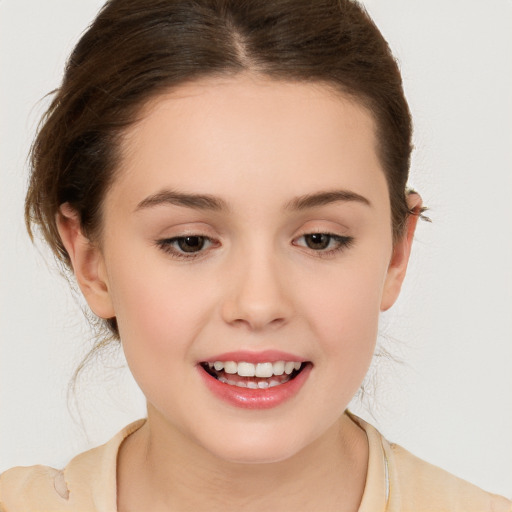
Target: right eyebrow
(171, 197)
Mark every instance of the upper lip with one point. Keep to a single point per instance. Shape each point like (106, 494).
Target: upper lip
(265, 356)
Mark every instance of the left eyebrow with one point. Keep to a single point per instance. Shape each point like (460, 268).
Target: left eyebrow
(324, 198)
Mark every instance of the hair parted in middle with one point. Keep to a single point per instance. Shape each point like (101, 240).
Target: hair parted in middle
(137, 49)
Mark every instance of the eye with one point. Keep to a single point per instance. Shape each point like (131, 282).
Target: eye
(318, 241)
(185, 246)
(324, 242)
(191, 243)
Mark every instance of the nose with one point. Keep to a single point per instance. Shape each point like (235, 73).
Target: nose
(258, 295)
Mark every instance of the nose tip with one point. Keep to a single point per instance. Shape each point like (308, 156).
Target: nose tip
(258, 298)
(254, 316)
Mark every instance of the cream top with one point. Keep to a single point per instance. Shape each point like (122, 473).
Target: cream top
(396, 481)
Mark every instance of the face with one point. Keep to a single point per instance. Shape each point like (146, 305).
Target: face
(249, 223)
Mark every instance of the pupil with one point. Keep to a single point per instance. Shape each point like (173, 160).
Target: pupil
(191, 243)
(318, 241)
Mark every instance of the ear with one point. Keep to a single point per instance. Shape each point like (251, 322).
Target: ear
(87, 261)
(400, 256)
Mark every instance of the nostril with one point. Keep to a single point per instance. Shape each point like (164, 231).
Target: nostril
(255, 321)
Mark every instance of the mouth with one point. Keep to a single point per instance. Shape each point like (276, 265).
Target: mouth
(264, 375)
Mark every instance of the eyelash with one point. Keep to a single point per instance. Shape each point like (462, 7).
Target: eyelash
(171, 245)
(342, 243)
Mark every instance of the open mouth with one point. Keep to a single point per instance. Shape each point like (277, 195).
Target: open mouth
(254, 376)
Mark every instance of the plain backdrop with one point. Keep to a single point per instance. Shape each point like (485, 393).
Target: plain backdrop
(450, 399)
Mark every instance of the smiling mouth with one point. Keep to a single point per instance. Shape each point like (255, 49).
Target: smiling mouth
(254, 376)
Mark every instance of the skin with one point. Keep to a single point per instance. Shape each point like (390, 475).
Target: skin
(257, 146)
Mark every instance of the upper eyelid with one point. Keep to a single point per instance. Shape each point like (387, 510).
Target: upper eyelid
(174, 239)
(184, 233)
(320, 231)
(335, 236)
(324, 225)
(169, 246)
(213, 239)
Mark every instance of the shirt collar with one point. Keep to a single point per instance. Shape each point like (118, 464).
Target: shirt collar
(99, 467)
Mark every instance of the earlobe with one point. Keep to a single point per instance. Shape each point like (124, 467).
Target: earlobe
(87, 262)
(401, 253)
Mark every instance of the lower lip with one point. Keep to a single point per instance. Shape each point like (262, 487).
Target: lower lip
(246, 398)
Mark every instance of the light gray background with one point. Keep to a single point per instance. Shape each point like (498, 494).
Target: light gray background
(450, 402)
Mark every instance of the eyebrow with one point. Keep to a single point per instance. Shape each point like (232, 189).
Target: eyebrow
(212, 203)
(170, 197)
(324, 198)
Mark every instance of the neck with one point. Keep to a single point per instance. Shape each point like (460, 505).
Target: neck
(173, 473)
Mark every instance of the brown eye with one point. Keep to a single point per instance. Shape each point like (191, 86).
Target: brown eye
(187, 247)
(317, 241)
(191, 243)
(324, 244)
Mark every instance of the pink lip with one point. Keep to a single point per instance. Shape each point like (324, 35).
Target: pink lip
(246, 398)
(270, 356)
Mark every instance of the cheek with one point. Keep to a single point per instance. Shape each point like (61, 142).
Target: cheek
(345, 310)
(159, 316)
(347, 330)
(158, 311)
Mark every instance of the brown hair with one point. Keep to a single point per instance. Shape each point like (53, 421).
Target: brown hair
(136, 49)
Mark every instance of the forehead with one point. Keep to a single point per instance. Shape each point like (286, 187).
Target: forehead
(236, 135)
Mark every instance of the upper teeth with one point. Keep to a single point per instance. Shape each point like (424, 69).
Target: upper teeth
(244, 369)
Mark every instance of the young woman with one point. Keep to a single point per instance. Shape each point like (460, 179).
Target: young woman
(227, 182)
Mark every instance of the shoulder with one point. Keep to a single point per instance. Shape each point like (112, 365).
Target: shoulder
(421, 486)
(32, 488)
(86, 484)
(398, 481)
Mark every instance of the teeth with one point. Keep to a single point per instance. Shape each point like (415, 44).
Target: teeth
(262, 370)
(288, 367)
(229, 366)
(251, 384)
(278, 368)
(246, 370)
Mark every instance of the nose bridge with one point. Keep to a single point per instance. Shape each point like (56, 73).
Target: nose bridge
(258, 296)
